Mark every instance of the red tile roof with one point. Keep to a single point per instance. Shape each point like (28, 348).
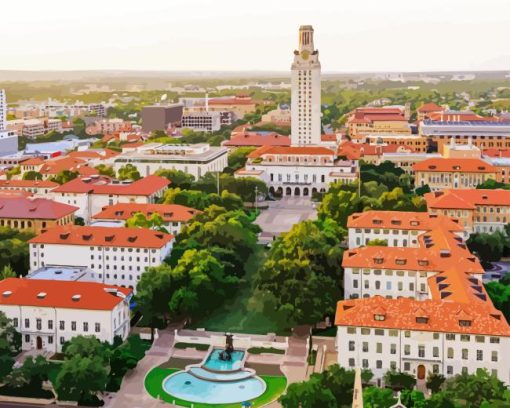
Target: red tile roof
(35, 161)
(169, 212)
(412, 259)
(257, 139)
(146, 186)
(467, 199)
(59, 164)
(454, 165)
(493, 152)
(429, 107)
(61, 294)
(402, 313)
(355, 151)
(402, 220)
(28, 184)
(102, 154)
(36, 208)
(103, 236)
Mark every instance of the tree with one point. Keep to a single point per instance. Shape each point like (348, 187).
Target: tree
(399, 380)
(65, 176)
(7, 272)
(79, 126)
(489, 247)
(31, 374)
(152, 296)
(139, 220)
(374, 397)
(10, 344)
(473, 389)
(122, 359)
(244, 187)
(81, 378)
(105, 170)
(308, 394)
(238, 157)
(434, 382)
(129, 172)
(201, 200)
(200, 284)
(178, 178)
(302, 264)
(14, 249)
(85, 346)
(492, 184)
(32, 175)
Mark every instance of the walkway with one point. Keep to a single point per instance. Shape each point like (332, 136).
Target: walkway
(132, 393)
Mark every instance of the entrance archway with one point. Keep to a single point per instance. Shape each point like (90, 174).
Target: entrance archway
(297, 191)
(314, 191)
(288, 191)
(421, 372)
(279, 191)
(39, 343)
(305, 192)
(271, 191)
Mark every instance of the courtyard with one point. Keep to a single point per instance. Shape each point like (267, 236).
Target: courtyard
(282, 214)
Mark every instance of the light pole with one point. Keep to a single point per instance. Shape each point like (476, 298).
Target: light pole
(256, 194)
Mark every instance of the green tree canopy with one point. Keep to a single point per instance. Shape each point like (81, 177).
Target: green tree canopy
(129, 172)
(32, 175)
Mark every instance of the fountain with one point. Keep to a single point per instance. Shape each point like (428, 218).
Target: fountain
(226, 355)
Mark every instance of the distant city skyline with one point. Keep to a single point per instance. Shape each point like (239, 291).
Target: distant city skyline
(206, 35)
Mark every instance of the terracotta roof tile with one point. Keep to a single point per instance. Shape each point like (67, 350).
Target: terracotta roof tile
(61, 294)
(37, 208)
(454, 165)
(103, 236)
(169, 212)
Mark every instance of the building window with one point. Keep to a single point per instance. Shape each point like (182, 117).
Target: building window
(62, 340)
(393, 348)
(449, 352)
(50, 339)
(465, 354)
(351, 345)
(85, 326)
(27, 338)
(98, 327)
(449, 370)
(494, 356)
(378, 364)
(421, 351)
(364, 363)
(27, 323)
(365, 347)
(479, 355)
(15, 322)
(407, 366)
(62, 325)
(73, 326)
(50, 324)
(351, 362)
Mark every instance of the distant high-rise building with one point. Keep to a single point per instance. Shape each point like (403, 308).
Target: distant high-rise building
(8, 138)
(160, 117)
(3, 110)
(306, 91)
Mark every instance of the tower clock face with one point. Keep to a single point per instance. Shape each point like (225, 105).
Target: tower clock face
(305, 54)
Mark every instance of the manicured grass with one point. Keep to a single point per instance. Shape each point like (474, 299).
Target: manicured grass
(238, 314)
(199, 347)
(270, 350)
(154, 386)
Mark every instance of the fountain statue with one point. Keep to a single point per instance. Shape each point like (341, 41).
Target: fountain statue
(226, 355)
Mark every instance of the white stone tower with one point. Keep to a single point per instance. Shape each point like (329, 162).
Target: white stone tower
(306, 91)
(3, 110)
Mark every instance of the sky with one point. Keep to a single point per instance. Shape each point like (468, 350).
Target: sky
(241, 35)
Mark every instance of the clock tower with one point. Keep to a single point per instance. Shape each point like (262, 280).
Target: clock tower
(306, 91)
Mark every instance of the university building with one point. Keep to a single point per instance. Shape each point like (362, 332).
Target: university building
(48, 313)
(118, 256)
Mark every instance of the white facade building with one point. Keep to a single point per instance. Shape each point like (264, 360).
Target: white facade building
(92, 194)
(298, 171)
(196, 159)
(306, 91)
(202, 121)
(8, 138)
(48, 313)
(421, 337)
(118, 256)
(397, 228)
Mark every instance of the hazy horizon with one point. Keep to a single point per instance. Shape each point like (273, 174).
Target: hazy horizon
(220, 36)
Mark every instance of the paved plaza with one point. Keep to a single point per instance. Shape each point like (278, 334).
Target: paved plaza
(281, 215)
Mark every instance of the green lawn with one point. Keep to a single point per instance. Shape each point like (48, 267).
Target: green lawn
(239, 314)
(154, 386)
